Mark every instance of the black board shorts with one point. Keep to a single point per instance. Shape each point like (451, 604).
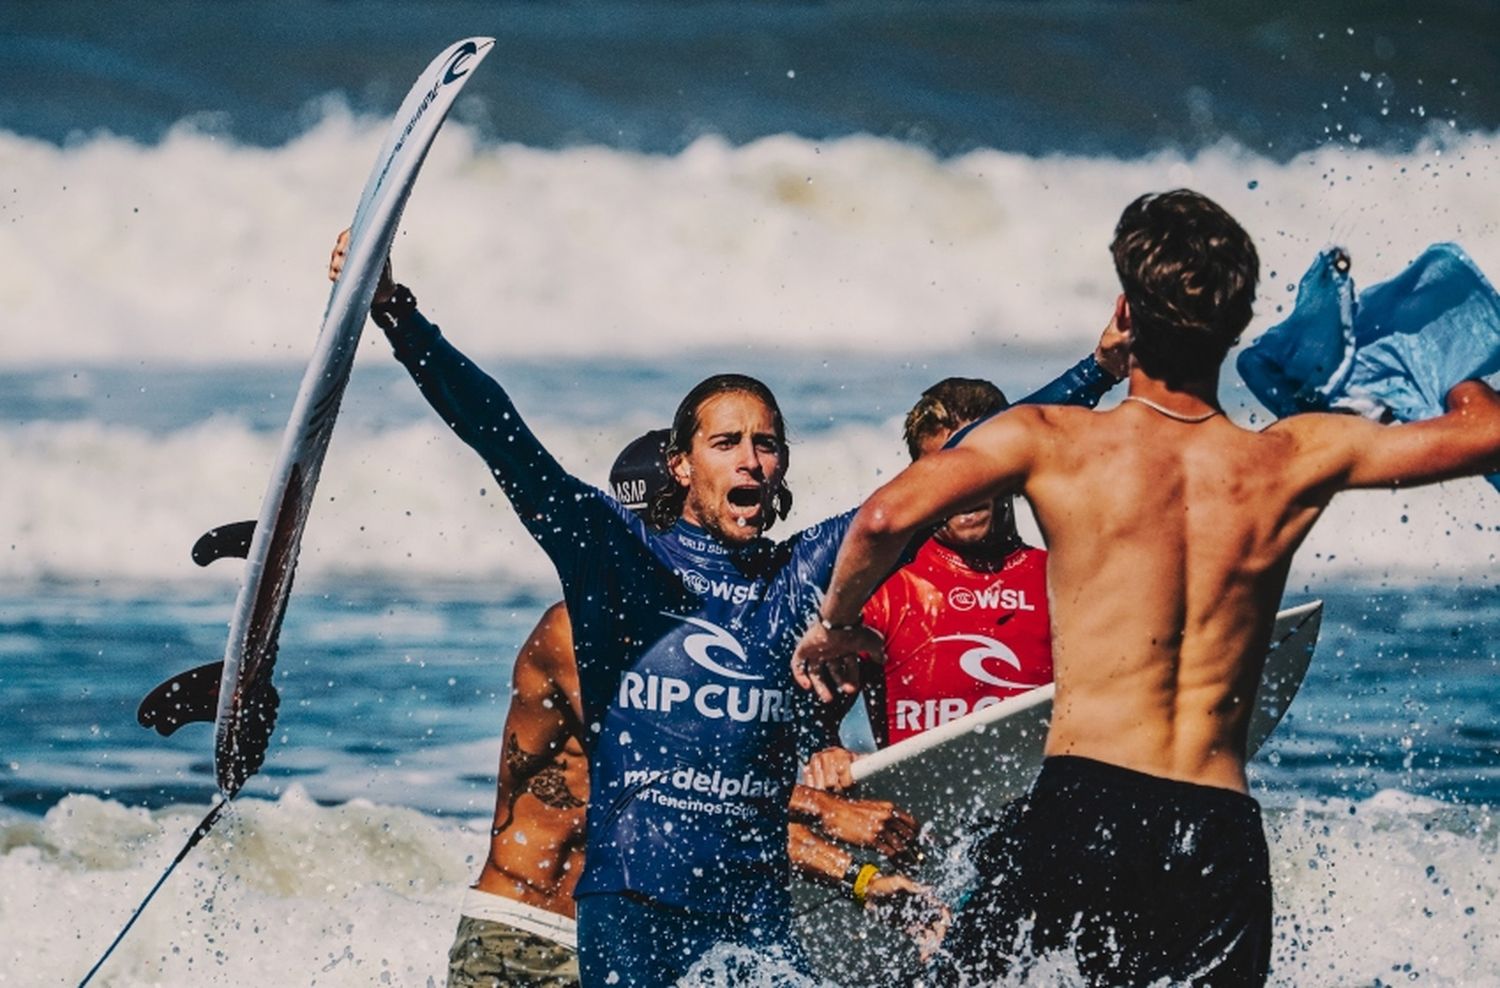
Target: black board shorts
(1140, 878)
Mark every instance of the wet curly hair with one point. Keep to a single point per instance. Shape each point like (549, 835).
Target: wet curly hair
(1188, 271)
(666, 507)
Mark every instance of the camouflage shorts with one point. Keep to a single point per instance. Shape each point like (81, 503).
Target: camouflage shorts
(487, 954)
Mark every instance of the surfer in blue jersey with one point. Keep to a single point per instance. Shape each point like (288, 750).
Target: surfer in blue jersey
(682, 629)
(517, 926)
(1170, 532)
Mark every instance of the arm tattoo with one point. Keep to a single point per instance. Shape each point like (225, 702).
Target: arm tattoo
(539, 774)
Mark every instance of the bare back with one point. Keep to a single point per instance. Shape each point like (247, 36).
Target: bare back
(536, 843)
(1169, 547)
(1170, 544)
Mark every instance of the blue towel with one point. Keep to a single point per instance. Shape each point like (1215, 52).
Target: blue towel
(1392, 354)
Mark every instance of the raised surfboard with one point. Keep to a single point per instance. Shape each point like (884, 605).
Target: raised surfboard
(245, 706)
(970, 767)
(238, 693)
(272, 552)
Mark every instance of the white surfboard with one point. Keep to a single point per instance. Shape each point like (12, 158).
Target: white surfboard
(244, 706)
(968, 768)
(271, 555)
(988, 758)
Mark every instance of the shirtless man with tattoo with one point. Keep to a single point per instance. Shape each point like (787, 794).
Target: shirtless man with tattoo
(517, 925)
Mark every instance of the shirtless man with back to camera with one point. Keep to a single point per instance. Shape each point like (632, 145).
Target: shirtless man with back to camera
(1170, 533)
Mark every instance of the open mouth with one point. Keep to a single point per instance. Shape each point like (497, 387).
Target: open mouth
(745, 497)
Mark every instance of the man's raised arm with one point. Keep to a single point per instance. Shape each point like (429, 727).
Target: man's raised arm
(1089, 380)
(994, 459)
(1084, 384)
(1464, 442)
(554, 505)
(1360, 453)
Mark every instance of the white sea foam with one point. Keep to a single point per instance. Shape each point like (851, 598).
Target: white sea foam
(199, 249)
(1390, 890)
(105, 501)
(1395, 890)
(280, 893)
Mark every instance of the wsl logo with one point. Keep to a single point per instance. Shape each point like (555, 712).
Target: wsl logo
(708, 647)
(695, 582)
(730, 590)
(989, 599)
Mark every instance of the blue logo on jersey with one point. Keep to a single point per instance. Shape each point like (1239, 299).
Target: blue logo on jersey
(730, 590)
(714, 701)
(712, 636)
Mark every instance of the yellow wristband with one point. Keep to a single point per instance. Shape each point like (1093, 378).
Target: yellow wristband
(862, 883)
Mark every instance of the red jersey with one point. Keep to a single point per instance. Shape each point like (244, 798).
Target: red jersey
(958, 639)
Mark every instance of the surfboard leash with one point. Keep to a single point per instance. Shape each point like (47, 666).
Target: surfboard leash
(199, 832)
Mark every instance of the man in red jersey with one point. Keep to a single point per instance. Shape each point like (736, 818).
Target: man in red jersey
(965, 622)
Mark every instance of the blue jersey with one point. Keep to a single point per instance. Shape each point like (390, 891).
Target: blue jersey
(683, 646)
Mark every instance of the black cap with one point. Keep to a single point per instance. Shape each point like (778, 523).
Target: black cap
(640, 472)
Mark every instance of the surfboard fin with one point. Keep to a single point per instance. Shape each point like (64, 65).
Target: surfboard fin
(231, 541)
(247, 750)
(190, 697)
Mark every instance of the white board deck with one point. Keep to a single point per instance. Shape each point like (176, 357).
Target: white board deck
(990, 757)
(968, 768)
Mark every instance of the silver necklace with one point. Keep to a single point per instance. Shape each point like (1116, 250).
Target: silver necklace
(1175, 416)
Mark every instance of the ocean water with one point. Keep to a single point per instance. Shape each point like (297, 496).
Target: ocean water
(849, 200)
